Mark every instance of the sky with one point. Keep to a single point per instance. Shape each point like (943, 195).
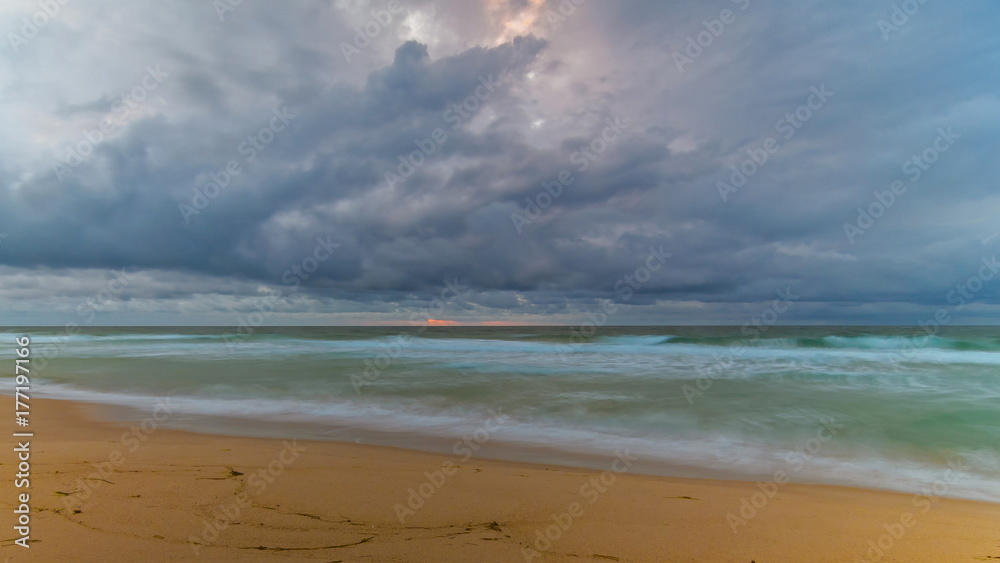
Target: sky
(352, 162)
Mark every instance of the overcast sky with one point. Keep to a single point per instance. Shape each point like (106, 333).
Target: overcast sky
(347, 161)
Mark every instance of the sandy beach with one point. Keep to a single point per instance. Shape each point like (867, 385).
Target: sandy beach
(115, 492)
(502, 281)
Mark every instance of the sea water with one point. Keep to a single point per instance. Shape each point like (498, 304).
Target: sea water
(891, 408)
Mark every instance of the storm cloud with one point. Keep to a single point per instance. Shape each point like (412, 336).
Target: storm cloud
(536, 153)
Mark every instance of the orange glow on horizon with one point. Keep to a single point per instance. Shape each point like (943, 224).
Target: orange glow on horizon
(437, 322)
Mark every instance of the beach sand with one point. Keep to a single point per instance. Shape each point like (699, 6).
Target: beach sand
(339, 502)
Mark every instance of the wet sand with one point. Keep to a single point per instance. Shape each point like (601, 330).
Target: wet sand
(110, 492)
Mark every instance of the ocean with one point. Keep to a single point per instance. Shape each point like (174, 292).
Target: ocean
(888, 408)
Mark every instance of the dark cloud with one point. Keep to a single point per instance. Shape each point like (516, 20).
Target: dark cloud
(535, 105)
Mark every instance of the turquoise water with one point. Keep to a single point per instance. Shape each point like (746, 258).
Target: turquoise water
(874, 407)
